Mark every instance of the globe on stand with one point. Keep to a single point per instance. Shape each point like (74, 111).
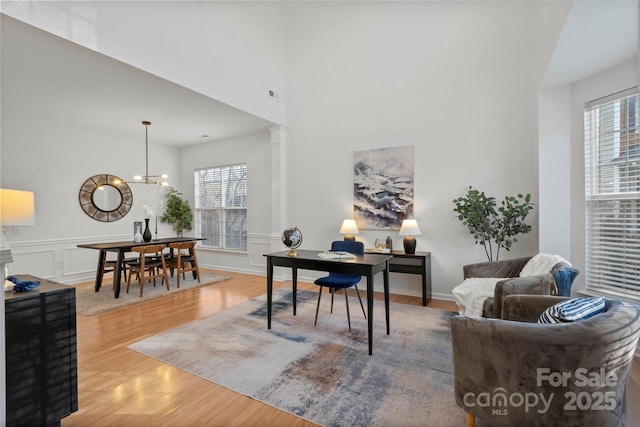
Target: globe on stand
(292, 238)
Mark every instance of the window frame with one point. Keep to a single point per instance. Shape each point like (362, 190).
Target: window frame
(612, 196)
(220, 208)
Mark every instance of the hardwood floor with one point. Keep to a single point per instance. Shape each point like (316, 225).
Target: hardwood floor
(120, 387)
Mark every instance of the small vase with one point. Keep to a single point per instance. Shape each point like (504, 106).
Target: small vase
(137, 238)
(146, 236)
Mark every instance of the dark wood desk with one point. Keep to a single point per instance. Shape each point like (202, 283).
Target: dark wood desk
(423, 268)
(121, 248)
(367, 265)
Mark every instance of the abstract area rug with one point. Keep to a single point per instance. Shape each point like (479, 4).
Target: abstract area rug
(324, 373)
(90, 302)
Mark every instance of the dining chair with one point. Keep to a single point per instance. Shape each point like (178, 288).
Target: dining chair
(150, 261)
(109, 266)
(335, 281)
(183, 259)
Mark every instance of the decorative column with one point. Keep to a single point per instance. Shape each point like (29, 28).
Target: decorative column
(279, 184)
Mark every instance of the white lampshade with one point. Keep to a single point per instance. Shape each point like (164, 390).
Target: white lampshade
(410, 228)
(349, 227)
(16, 207)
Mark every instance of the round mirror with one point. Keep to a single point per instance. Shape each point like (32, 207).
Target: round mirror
(105, 197)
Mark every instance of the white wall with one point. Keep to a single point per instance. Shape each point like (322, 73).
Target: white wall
(53, 159)
(47, 153)
(456, 80)
(51, 155)
(452, 79)
(555, 171)
(254, 150)
(229, 51)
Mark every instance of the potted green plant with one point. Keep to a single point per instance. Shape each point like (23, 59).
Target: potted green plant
(178, 212)
(493, 227)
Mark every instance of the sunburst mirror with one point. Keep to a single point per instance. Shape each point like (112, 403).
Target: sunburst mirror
(105, 197)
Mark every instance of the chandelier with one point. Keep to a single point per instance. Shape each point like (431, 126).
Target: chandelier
(146, 178)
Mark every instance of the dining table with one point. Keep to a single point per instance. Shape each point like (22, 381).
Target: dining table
(121, 248)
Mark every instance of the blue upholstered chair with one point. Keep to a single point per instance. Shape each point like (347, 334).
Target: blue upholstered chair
(335, 281)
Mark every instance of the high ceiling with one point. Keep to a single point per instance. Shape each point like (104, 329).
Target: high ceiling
(46, 76)
(51, 77)
(596, 36)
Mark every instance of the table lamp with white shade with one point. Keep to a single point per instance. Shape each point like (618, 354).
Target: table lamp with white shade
(409, 229)
(349, 228)
(16, 208)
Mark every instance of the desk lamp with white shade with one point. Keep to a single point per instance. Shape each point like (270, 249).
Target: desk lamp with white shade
(16, 208)
(349, 228)
(409, 229)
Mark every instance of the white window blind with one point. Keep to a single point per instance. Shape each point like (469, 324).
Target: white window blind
(221, 206)
(612, 186)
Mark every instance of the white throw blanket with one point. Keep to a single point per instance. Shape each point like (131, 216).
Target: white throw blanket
(471, 294)
(541, 264)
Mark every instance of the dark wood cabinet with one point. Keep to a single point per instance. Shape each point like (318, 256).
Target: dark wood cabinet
(41, 354)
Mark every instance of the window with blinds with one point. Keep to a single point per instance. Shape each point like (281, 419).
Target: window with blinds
(612, 187)
(221, 206)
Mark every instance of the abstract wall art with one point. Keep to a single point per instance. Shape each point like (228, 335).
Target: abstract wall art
(383, 187)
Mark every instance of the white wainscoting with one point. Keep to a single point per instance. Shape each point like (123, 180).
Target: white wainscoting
(75, 261)
(61, 260)
(258, 245)
(38, 261)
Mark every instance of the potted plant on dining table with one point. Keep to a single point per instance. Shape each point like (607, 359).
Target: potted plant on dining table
(178, 212)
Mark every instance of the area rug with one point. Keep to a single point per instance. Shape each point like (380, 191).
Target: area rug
(324, 373)
(90, 302)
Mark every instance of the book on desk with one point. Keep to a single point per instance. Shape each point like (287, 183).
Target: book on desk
(336, 255)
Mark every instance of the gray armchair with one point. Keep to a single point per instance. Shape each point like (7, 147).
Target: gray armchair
(543, 284)
(510, 372)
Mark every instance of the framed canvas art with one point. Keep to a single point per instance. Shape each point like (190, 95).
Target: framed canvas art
(383, 187)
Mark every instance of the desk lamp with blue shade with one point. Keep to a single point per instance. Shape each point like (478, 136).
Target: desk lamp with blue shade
(17, 208)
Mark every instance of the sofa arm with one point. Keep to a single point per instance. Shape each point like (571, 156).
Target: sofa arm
(543, 284)
(506, 268)
(493, 357)
(527, 308)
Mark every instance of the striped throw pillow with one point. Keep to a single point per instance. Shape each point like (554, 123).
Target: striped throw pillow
(573, 310)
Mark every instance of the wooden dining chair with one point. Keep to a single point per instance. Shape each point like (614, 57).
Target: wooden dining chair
(150, 266)
(109, 266)
(183, 259)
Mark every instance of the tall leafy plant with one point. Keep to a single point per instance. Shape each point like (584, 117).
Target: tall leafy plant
(491, 227)
(178, 212)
